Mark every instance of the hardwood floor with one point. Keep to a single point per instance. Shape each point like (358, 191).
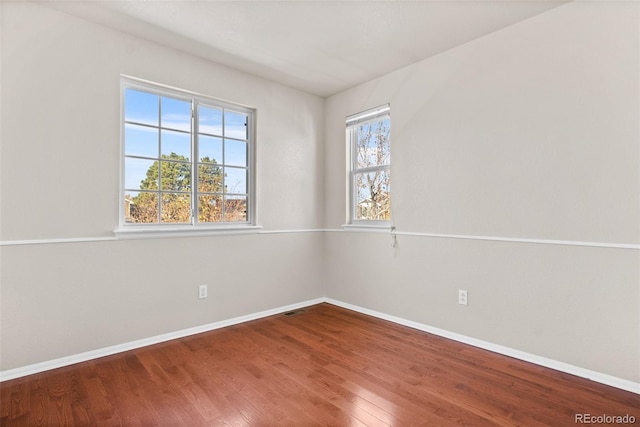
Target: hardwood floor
(324, 366)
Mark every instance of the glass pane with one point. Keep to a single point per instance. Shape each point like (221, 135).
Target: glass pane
(210, 208)
(176, 114)
(141, 207)
(373, 144)
(235, 125)
(235, 180)
(210, 120)
(175, 176)
(373, 201)
(209, 178)
(176, 208)
(235, 208)
(175, 145)
(140, 141)
(210, 149)
(235, 153)
(140, 107)
(140, 174)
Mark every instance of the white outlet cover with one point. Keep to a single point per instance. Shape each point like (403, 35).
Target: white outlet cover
(202, 291)
(463, 297)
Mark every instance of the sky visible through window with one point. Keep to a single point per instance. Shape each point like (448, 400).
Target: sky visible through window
(173, 130)
(160, 142)
(144, 108)
(371, 170)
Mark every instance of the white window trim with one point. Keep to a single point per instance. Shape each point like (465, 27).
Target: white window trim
(369, 226)
(354, 224)
(137, 230)
(186, 231)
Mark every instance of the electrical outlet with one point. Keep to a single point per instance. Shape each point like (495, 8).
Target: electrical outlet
(463, 297)
(202, 291)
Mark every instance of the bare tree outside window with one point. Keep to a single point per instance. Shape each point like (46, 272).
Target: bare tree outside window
(371, 151)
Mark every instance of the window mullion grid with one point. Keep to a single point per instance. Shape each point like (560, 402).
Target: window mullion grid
(193, 164)
(157, 191)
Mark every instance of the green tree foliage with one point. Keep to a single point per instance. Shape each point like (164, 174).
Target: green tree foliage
(173, 171)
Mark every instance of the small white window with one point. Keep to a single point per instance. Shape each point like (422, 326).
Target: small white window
(187, 159)
(369, 138)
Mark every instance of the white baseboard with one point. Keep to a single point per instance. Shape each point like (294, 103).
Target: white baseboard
(108, 351)
(516, 354)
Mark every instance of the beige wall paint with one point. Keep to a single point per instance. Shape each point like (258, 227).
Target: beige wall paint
(577, 305)
(531, 132)
(60, 174)
(65, 299)
(61, 150)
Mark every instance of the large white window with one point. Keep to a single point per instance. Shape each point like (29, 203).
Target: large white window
(187, 159)
(368, 134)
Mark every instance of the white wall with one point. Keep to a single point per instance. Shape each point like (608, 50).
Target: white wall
(531, 132)
(59, 180)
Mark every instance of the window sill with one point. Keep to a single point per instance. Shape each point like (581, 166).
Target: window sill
(385, 227)
(187, 231)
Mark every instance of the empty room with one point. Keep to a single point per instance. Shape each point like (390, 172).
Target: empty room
(367, 213)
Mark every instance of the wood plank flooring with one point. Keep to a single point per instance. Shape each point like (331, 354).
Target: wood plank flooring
(324, 366)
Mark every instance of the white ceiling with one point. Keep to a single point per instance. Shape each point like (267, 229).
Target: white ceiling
(321, 47)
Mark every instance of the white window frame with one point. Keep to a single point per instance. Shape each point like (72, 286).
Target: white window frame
(352, 123)
(128, 229)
